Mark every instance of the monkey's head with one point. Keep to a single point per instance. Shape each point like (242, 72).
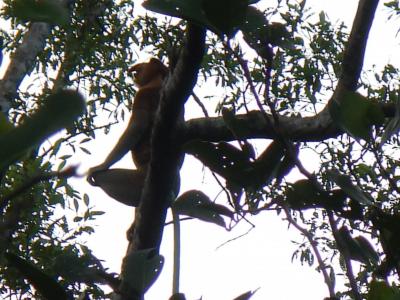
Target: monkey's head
(143, 73)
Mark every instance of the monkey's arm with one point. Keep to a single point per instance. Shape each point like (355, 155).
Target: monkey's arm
(138, 125)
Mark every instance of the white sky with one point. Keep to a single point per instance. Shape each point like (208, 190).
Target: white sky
(262, 258)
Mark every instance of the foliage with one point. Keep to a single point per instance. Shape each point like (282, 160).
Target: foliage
(286, 70)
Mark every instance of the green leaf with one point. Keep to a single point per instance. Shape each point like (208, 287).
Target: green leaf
(196, 204)
(49, 11)
(190, 10)
(141, 269)
(5, 125)
(393, 127)
(225, 15)
(355, 114)
(58, 111)
(302, 194)
(380, 290)
(222, 17)
(354, 192)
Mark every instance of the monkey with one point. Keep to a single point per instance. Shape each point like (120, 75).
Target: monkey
(126, 185)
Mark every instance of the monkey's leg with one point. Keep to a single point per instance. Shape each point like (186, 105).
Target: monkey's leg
(123, 185)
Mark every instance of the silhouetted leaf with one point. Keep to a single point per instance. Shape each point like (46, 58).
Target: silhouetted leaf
(196, 204)
(190, 10)
(351, 247)
(246, 295)
(354, 192)
(380, 290)
(393, 127)
(142, 268)
(367, 249)
(57, 112)
(222, 17)
(225, 15)
(222, 158)
(50, 11)
(302, 194)
(355, 114)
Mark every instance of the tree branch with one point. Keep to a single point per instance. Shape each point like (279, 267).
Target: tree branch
(22, 62)
(166, 156)
(353, 58)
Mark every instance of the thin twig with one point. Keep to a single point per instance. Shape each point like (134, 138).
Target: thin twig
(322, 265)
(68, 172)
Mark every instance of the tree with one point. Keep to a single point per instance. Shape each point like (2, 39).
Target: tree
(299, 86)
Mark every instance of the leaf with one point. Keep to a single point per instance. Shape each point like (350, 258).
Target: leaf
(246, 296)
(351, 247)
(221, 17)
(5, 125)
(190, 10)
(380, 290)
(58, 111)
(196, 204)
(49, 11)
(367, 249)
(354, 192)
(142, 268)
(302, 194)
(225, 15)
(235, 165)
(269, 165)
(48, 287)
(355, 114)
(222, 158)
(393, 127)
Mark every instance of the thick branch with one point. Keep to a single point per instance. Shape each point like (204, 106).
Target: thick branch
(22, 62)
(254, 125)
(150, 215)
(147, 229)
(164, 166)
(353, 58)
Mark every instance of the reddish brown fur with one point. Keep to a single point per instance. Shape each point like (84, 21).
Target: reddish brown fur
(149, 78)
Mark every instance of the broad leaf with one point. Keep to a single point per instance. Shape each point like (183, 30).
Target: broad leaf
(355, 114)
(222, 158)
(367, 249)
(196, 204)
(246, 296)
(57, 112)
(5, 125)
(222, 17)
(225, 15)
(141, 269)
(351, 246)
(393, 127)
(354, 192)
(49, 11)
(380, 290)
(190, 10)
